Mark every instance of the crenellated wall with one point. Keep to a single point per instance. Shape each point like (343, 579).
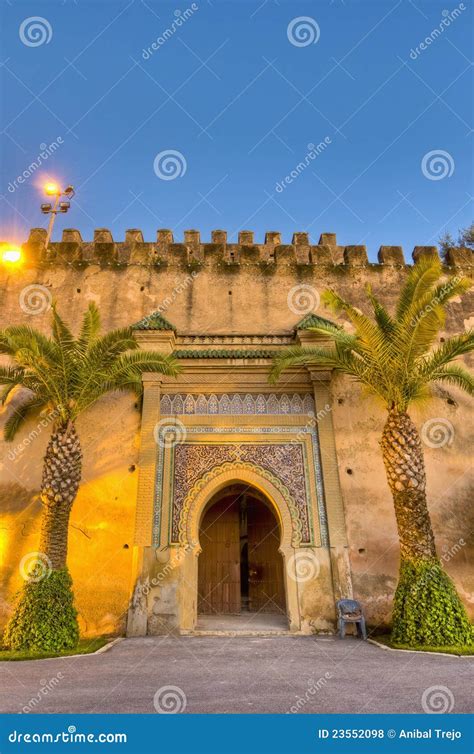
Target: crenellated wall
(105, 250)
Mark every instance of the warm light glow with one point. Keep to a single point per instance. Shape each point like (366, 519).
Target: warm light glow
(11, 254)
(51, 189)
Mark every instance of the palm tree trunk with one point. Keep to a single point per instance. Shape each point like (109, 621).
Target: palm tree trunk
(405, 467)
(427, 610)
(61, 477)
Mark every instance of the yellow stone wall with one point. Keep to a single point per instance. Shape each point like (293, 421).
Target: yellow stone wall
(218, 300)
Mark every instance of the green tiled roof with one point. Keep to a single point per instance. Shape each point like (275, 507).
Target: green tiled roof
(313, 320)
(224, 353)
(154, 321)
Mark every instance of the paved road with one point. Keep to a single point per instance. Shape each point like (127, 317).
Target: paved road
(245, 674)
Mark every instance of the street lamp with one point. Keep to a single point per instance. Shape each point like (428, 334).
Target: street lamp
(48, 208)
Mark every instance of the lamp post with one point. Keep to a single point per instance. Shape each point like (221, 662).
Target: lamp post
(48, 208)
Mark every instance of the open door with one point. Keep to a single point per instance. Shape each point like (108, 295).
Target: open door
(265, 565)
(219, 561)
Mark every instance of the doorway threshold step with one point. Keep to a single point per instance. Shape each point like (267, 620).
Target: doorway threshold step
(237, 632)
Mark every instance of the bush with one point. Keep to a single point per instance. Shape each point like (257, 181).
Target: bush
(427, 609)
(44, 618)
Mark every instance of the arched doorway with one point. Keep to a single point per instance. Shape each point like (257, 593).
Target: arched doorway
(240, 568)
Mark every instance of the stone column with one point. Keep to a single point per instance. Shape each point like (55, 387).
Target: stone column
(138, 611)
(338, 545)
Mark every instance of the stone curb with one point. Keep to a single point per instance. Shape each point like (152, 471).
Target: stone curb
(417, 651)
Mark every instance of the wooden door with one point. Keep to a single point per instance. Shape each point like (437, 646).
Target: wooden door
(266, 587)
(219, 561)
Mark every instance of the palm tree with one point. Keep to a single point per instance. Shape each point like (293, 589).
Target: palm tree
(393, 357)
(62, 376)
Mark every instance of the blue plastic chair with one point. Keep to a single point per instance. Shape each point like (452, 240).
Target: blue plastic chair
(350, 611)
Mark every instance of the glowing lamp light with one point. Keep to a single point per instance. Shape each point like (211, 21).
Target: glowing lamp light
(11, 255)
(51, 189)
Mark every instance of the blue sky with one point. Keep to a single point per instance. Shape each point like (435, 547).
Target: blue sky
(239, 90)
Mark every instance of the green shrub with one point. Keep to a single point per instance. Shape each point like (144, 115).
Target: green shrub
(427, 609)
(44, 617)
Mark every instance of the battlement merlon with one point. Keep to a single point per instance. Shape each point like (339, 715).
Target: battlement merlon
(104, 250)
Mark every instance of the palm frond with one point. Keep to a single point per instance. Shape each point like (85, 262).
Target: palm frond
(90, 328)
(445, 353)
(125, 374)
(421, 278)
(134, 364)
(455, 375)
(11, 375)
(26, 338)
(301, 356)
(385, 322)
(19, 416)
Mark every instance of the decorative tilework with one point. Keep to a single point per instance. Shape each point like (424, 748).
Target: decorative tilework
(187, 475)
(237, 404)
(283, 460)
